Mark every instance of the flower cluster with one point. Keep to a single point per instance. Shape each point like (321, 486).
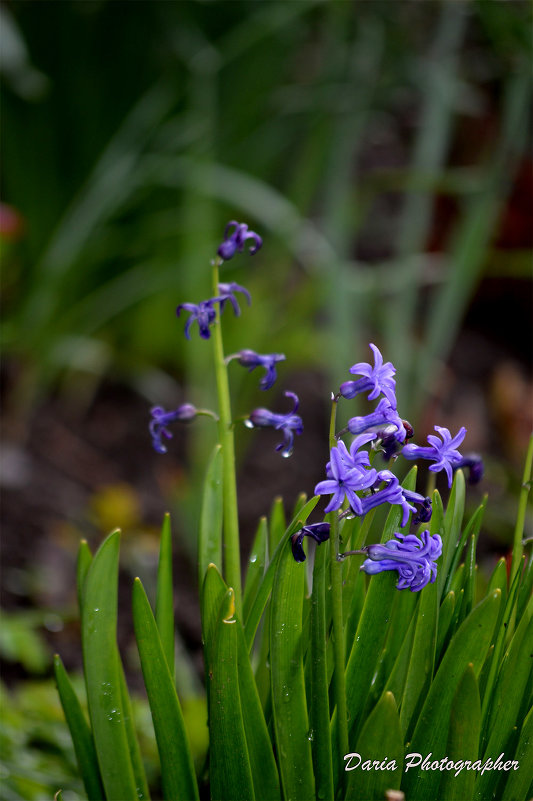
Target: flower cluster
(204, 314)
(355, 486)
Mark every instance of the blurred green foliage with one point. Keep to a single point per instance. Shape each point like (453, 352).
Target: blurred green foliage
(132, 133)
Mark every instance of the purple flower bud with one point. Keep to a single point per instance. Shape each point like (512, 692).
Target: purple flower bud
(161, 419)
(290, 424)
(414, 558)
(443, 453)
(474, 462)
(251, 360)
(204, 314)
(234, 243)
(318, 531)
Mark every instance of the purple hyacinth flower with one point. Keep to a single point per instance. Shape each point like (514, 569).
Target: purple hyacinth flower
(234, 242)
(161, 419)
(290, 423)
(318, 531)
(378, 379)
(354, 457)
(414, 558)
(344, 480)
(204, 313)
(251, 360)
(474, 462)
(227, 294)
(392, 493)
(383, 417)
(443, 453)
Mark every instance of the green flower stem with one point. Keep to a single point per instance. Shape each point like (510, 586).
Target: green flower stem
(232, 558)
(339, 676)
(518, 547)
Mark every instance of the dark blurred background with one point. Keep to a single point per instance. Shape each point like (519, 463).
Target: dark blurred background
(383, 152)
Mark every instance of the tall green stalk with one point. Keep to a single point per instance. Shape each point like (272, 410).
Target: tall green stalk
(232, 557)
(339, 676)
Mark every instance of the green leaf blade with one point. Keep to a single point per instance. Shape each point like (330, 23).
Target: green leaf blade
(164, 604)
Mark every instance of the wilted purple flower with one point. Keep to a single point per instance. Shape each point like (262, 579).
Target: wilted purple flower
(234, 242)
(443, 453)
(251, 360)
(227, 294)
(378, 379)
(290, 424)
(318, 531)
(474, 462)
(383, 416)
(424, 513)
(413, 558)
(161, 419)
(204, 313)
(392, 493)
(344, 480)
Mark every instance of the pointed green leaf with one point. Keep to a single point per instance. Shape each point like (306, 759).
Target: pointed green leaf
(102, 672)
(81, 734)
(211, 515)
(380, 740)
(289, 708)
(422, 662)
(137, 764)
(277, 524)
(213, 592)
(256, 565)
(451, 540)
(177, 771)
(262, 762)
(319, 700)
(445, 618)
(526, 586)
(164, 604)
(498, 579)
(463, 738)
(470, 578)
(469, 645)
(472, 529)
(230, 771)
(519, 782)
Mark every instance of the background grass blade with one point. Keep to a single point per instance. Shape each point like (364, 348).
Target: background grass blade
(102, 672)
(164, 604)
(177, 771)
(291, 722)
(81, 734)
(230, 771)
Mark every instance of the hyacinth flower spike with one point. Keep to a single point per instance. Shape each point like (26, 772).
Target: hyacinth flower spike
(234, 242)
(227, 294)
(377, 379)
(318, 531)
(414, 558)
(441, 451)
(290, 423)
(251, 360)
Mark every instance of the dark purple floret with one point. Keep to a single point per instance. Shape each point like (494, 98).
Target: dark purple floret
(204, 313)
(234, 242)
(318, 531)
(423, 514)
(474, 463)
(290, 423)
(227, 294)
(251, 360)
(414, 558)
(161, 419)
